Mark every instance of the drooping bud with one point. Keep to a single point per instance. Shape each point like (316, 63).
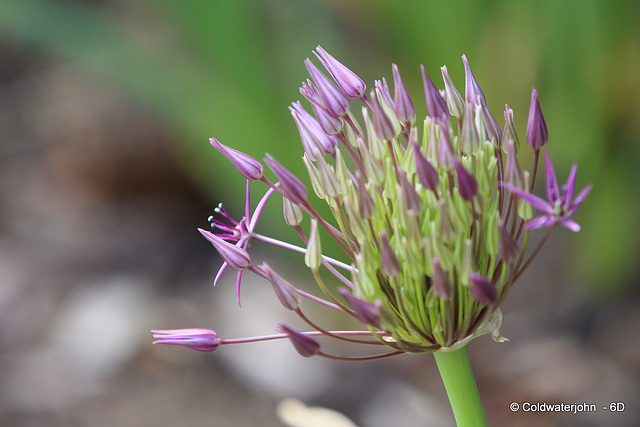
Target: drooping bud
(436, 106)
(313, 256)
(286, 293)
(482, 289)
(304, 344)
(403, 106)
(333, 100)
(452, 96)
(471, 87)
(366, 312)
(195, 338)
(310, 144)
(327, 142)
(440, 281)
(249, 167)
(388, 258)
(347, 80)
(292, 187)
(467, 185)
(427, 174)
(292, 213)
(235, 256)
(537, 134)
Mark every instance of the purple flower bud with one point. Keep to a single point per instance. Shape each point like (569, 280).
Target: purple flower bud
(388, 258)
(382, 122)
(509, 129)
(249, 167)
(514, 175)
(403, 106)
(440, 281)
(235, 256)
(305, 344)
(195, 339)
(537, 134)
(467, 185)
(366, 205)
(436, 106)
(452, 96)
(333, 100)
(471, 87)
(427, 174)
(347, 80)
(364, 311)
(314, 129)
(286, 293)
(493, 130)
(482, 289)
(292, 187)
(410, 198)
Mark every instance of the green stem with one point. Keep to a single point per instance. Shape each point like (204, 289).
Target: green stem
(460, 383)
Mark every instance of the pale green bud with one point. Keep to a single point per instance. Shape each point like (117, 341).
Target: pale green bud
(313, 256)
(292, 213)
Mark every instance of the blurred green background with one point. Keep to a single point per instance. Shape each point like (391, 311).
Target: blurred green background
(230, 69)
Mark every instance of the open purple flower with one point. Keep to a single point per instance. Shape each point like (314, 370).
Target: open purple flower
(555, 209)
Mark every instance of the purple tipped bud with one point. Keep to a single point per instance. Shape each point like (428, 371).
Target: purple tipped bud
(410, 198)
(508, 247)
(472, 91)
(440, 281)
(305, 344)
(446, 158)
(292, 187)
(493, 130)
(403, 106)
(467, 185)
(389, 260)
(482, 289)
(249, 167)
(195, 339)
(469, 137)
(366, 205)
(537, 134)
(382, 122)
(436, 106)
(509, 132)
(286, 293)
(333, 100)
(364, 311)
(347, 80)
(236, 257)
(427, 174)
(514, 175)
(452, 96)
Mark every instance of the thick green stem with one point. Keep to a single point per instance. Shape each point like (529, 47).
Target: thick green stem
(460, 383)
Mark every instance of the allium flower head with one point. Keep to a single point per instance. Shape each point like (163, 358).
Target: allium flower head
(428, 214)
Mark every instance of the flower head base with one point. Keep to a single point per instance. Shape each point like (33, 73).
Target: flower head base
(432, 227)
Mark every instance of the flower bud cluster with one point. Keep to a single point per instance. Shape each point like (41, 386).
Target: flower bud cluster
(433, 216)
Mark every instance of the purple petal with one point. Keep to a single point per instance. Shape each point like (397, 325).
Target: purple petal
(570, 186)
(570, 224)
(553, 192)
(467, 185)
(541, 221)
(482, 289)
(366, 312)
(581, 196)
(532, 199)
